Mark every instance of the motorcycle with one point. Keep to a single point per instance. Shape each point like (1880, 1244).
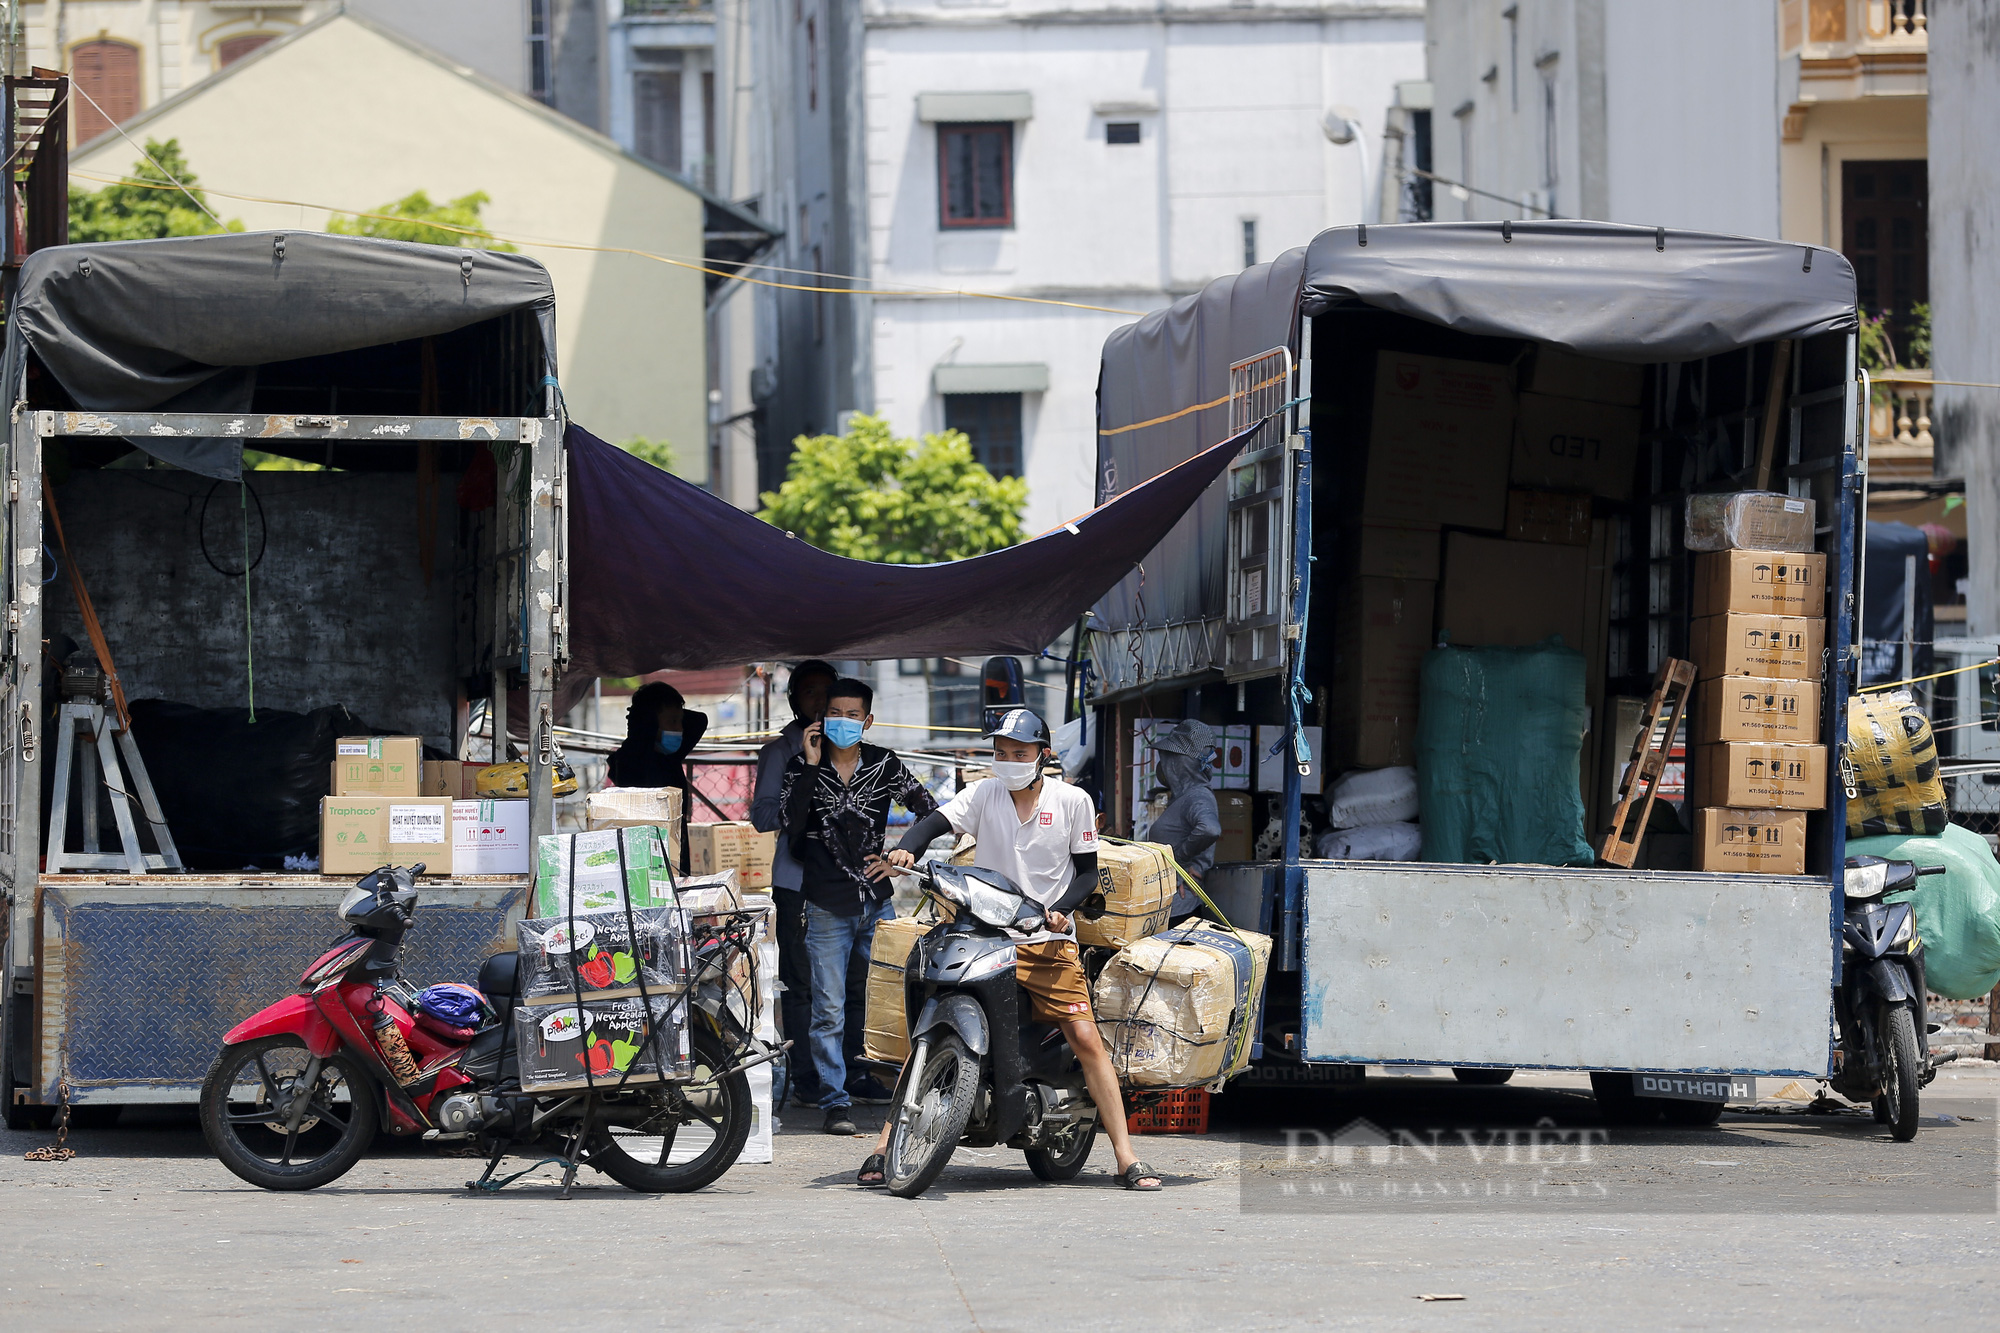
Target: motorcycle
(299, 1089)
(980, 1071)
(1879, 1003)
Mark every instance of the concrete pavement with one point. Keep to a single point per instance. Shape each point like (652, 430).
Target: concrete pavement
(1759, 1222)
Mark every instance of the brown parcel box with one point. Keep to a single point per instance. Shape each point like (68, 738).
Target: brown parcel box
(359, 833)
(378, 766)
(1137, 880)
(1753, 708)
(1499, 592)
(1759, 774)
(1560, 517)
(1769, 842)
(735, 845)
(1567, 375)
(1236, 842)
(1777, 647)
(1768, 583)
(1439, 443)
(1385, 551)
(1566, 444)
(450, 777)
(1381, 631)
(886, 1034)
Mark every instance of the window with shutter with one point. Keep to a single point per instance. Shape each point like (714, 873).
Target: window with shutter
(106, 77)
(234, 49)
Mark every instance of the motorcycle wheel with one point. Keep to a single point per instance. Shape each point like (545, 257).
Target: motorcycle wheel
(1063, 1163)
(1897, 1106)
(243, 1104)
(714, 1123)
(929, 1119)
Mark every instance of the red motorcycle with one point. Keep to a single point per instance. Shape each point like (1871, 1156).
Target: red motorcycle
(300, 1089)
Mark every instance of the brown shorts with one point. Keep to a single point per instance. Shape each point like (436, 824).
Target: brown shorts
(1053, 977)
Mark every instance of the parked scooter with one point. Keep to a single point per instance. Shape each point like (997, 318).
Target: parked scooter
(980, 1071)
(298, 1090)
(1879, 1003)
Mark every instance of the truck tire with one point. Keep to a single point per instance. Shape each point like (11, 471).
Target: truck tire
(1482, 1077)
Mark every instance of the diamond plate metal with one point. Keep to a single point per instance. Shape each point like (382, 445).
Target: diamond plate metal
(150, 989)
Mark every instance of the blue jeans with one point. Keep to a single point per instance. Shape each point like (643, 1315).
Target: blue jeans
(835, 943)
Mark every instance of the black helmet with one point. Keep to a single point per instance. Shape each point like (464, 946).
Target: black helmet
(1020, 724)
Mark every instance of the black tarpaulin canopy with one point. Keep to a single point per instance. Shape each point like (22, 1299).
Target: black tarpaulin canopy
(181, 324)
(1621, 293)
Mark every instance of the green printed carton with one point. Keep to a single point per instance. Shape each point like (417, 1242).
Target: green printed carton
(612, 866)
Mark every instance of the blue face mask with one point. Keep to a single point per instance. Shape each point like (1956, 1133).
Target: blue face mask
(843, 732)
(668, 743)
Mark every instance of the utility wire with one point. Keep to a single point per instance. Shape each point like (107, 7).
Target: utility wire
(193, 198)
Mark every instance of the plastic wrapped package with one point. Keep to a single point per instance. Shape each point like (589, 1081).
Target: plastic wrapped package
(1373, 796)
(1898, 788)
(1179, 1009)
(601, 1042)
(1137, 880)
(1372, 842)
(710, 895)
(1958, 912)
(609, 865)
(1499, 740)
(599, 952)
(1749, 521)
(628, 807)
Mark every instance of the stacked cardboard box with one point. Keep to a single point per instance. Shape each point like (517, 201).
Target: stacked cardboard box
(1758, 642)
(733, 845)
(377, 814)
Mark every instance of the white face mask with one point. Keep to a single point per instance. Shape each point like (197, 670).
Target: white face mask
(1016, 776)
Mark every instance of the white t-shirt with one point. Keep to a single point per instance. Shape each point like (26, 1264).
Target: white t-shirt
(1035, 853)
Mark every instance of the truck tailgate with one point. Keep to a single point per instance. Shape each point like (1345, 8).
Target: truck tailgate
(1538, 967)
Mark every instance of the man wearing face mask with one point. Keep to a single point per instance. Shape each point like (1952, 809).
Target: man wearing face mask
(1041, 833)
(1192, 821)
(836, 796)
(661, 731)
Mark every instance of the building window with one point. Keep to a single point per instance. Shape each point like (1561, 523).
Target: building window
(1121, 131)
(992, 421)
(1249, 242)
(233, 49)
(1884, 234)
(656, 107)
(1464, 188)
(1551, 143)
(976, 175)
(106, 75)
(1417, 198)
(538, 49)
(812, 64)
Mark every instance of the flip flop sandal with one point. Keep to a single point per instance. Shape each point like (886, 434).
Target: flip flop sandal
(1138, 1171)
(873, 1164)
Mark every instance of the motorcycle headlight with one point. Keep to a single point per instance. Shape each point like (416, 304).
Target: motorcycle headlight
(1906, 931)
(990, 904)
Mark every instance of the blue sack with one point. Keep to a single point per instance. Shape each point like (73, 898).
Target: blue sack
(449, 1002)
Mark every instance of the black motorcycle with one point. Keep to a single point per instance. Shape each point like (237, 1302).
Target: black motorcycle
(1879, 1003)
(980, 1071)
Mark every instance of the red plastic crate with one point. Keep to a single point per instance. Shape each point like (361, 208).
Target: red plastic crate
(1182, 1111)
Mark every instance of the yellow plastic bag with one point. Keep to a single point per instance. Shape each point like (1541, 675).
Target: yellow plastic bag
(1894, 760)
(512, 780)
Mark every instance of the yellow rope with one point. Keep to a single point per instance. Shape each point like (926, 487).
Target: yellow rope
(1935, 675)
(477, 234)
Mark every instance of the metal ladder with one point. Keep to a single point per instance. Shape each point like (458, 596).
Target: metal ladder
(99, 761)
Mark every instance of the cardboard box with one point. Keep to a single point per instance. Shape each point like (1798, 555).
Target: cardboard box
(1567, 444)
(886, 1034)
(1749, 521)
(735, 845)
(1232, 770)
(451, 777)
(1381, 631)
(359, 833)
(604, 953)
(1438, 443)
(1239, 837)
(1386, 551)
(1271, 767)
(1512, 593)
(1137, 881)
(638, 807)
(1567, 375)
(611, 866)
(1758, 774)
(602, 1042)
(378, 766)
(490, 838)
(1765, 583)
(1777, 647)
(1753, 708)
(1764, 842)
(1558, 517)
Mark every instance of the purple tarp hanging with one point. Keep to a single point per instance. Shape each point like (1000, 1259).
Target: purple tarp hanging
(664, 575)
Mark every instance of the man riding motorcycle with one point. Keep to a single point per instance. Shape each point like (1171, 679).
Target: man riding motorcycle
(1041, 833)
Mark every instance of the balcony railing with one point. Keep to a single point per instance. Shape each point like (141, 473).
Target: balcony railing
(1900, 444)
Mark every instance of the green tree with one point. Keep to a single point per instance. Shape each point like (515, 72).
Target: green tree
(415, 218)
(660, 453)
(148, 204)
(870, 496)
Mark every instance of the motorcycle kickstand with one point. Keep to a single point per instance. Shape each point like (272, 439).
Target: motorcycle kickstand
(575, 1155)
(492, 1165)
